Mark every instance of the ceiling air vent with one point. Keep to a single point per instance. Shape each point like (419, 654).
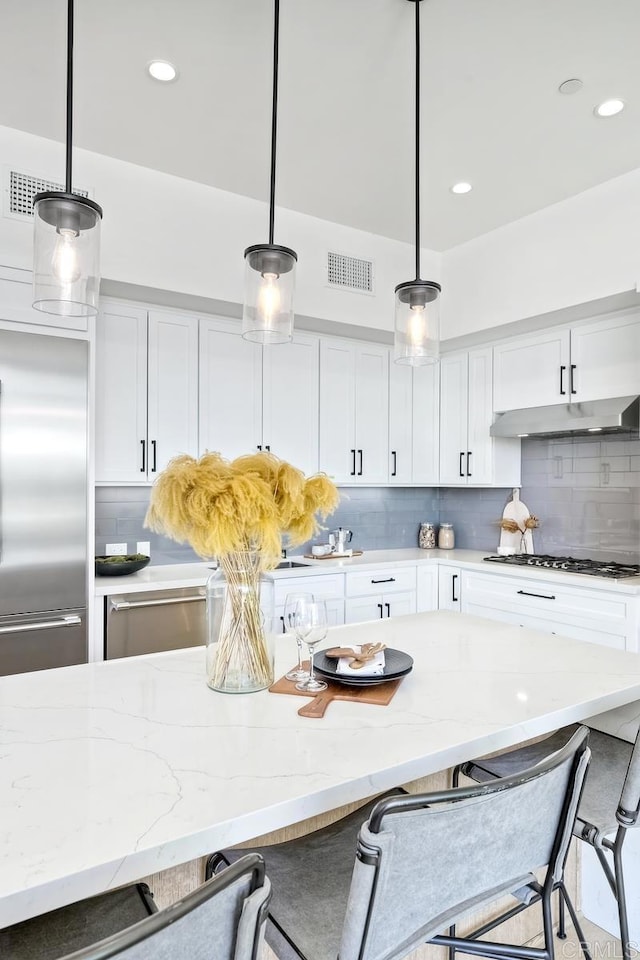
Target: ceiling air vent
(349, 272)
(22, 188)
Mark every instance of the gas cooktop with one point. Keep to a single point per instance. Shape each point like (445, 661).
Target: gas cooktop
(593, 568)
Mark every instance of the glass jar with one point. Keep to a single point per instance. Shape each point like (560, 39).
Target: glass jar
(427, 536)
(446, 537)
(240, 611)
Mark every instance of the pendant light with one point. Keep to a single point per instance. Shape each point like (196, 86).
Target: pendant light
(66, 255)
(267, 316)
(417, 321)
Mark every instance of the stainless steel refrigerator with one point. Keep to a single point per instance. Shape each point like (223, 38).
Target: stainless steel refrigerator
(43, 501)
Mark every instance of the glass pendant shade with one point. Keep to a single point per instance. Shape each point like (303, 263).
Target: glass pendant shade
(66, 254)
(417, 323)
(267, 316)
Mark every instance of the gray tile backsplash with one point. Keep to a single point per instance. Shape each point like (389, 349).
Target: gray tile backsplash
(586, 493)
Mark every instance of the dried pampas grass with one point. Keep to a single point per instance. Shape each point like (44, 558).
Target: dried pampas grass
(512, 527)
(221, 507)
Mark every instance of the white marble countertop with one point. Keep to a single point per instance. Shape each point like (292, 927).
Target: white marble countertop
(163, 577)
(111, 771)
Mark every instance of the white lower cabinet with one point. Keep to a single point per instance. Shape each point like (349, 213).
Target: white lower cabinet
(378, 594)
(427, 589)
(449, 588)
(379, 607)
(335, 615)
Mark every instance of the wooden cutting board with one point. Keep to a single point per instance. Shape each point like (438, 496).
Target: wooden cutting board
(333, 556)
(381, 693)
(518, 511)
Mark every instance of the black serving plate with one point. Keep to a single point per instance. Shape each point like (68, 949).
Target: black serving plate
(396, 664)
(112, 567)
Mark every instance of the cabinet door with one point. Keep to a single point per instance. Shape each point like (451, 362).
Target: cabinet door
(427, 595)
(372, 414)
(335, 612)
(605, 358)
(121, 394)
(479, 459)
(230, 411)
(172, 388)
(400, 422)
(531, 371)
(359, 609)
(449, 588)
(399, 604)
(453, 419)
(337, 410)
(290, 401)
(426, 424)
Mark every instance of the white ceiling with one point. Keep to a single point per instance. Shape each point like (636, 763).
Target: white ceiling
(492, 114)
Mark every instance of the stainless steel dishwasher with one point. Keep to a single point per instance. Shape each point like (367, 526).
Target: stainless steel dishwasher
(153, 621)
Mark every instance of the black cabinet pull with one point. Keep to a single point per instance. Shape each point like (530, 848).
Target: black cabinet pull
(453, 588)
(380, 609)
(360, 467)
(388, 606)
(543, 596)
(469, 462)
(572, 388)
(144, 456)
(461, 470)
(259, 447)
(284, 629)
(353, 464)
(395, 463)
(155, 451)
(388, 580)
(267, 447)
(562, 390)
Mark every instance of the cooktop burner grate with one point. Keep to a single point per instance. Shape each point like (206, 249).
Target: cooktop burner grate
(593, 568)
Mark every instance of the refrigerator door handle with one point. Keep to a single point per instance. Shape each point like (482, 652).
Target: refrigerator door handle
(71, 621)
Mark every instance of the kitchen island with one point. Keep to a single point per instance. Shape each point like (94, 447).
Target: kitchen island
(111, 771)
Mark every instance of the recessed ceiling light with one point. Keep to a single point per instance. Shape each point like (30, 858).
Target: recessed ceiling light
(162, 70)
(609, 108)
(570, 86)
(461, 188)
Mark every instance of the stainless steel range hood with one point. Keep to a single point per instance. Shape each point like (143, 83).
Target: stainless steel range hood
(617, 415)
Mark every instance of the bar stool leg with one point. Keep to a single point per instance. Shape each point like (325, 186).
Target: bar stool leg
(621, 899)
(562, 930)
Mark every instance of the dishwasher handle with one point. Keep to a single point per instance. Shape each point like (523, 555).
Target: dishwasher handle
(118, 605)
(72, 621)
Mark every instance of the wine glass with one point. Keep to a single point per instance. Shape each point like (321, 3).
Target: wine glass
(291, 602)
(311, 625)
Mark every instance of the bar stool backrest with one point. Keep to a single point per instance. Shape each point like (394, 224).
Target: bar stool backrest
(424, 861)
(629, 806)
(221, 920)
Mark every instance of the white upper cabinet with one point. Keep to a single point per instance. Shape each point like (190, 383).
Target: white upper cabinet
(121, 394)
(290, 401)
(230, 410)
(146, 391)
(592, 360)
(354, 411)
(172, 388)
(468, 454)
(531, 371)
(413, 424)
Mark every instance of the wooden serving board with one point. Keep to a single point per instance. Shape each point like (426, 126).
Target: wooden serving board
(333, 556)
(381, 693)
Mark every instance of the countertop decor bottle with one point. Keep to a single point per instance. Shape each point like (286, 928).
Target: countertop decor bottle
(446, 538)
(427, 536)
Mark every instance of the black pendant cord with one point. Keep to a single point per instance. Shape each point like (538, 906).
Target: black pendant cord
(417, 3)
(69, 93)
(274, 118)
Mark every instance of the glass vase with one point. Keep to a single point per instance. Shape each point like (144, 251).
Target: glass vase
(240, 610)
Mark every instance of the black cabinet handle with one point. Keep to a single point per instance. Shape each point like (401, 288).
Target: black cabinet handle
(543, 596)
(259, 447)
(144, 456)
(380, 609)
(572, 388)
(154, 447)
(353, 464)
(388, 580)
(461, 470)
(453, 588)
(395, 463)
(388, 606)
(284, 629)
(469, 462)
(360, 467)
(267, 447)
(562, 390)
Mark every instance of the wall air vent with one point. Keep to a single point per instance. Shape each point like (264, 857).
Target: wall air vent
(349, 273)
(21, 188)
